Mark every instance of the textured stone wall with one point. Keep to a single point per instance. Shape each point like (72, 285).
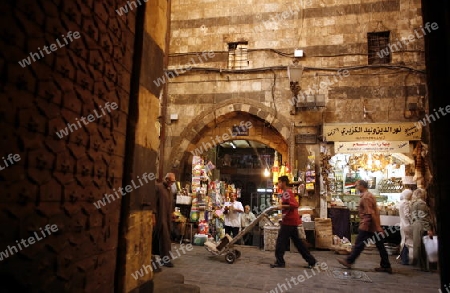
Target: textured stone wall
(57, 180)
(333, 36)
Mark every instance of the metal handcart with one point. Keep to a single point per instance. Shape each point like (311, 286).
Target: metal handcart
(225, 247)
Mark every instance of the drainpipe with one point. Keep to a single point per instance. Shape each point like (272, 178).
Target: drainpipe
(162, 137)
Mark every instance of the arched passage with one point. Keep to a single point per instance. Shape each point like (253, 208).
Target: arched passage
(209, 120)
(260, 132)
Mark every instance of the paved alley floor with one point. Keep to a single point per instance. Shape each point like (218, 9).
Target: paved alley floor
(251, 273)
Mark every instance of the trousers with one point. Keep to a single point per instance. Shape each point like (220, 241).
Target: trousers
(365, 237)
(291, 232)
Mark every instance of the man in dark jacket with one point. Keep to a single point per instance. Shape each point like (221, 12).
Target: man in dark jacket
(164, 210)
(288, 228)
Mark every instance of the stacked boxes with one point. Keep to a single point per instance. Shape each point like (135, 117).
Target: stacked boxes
(324, 233)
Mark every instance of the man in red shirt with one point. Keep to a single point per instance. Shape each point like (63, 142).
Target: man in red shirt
(369, 230)
(288, 228)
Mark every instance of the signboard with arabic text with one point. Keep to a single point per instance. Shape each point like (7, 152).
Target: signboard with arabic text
(359, 147)
(406, 131)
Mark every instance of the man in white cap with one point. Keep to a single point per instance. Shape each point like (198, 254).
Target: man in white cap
(163, 211)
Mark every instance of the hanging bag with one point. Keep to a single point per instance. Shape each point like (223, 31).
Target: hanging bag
(404, 255)
(431, 247)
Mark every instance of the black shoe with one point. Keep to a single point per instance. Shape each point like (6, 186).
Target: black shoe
(168, 264)
(312, 266)
(385, 270)
(158, 269)
(275, 265)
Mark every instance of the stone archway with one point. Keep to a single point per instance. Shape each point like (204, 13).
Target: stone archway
(211, 117)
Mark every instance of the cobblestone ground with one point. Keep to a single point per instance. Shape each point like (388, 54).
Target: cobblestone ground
(251, 273)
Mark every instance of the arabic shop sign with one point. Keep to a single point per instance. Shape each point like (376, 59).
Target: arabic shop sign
(359, 147)
(374, 131)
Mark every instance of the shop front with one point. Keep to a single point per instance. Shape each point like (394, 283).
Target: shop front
(381, 154)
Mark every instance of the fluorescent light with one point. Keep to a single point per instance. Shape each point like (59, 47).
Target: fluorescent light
(263, 190)
(232, 144)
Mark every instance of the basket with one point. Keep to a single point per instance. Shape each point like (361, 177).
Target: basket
(324, 235)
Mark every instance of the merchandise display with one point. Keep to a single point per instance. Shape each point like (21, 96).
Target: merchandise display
(205, 199)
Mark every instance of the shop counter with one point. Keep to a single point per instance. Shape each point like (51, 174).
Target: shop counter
(386, 220)
(340, 219)
(392, 234)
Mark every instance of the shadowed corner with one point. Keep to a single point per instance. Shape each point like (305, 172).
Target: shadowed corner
(9, 284)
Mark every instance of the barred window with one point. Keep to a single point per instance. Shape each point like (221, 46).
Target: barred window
(237, 55)
(379, 48)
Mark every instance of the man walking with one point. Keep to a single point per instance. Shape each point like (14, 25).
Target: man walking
(164, 208)
(369, 225)
(288, 228)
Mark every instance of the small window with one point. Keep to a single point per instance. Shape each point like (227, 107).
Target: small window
(379, 48)
(237, 55)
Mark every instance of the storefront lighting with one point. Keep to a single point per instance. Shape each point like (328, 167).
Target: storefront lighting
(266, 173)
(232, 144)
(268, 190)
(369, 162)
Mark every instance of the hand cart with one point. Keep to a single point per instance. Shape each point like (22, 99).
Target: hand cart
(225, 247)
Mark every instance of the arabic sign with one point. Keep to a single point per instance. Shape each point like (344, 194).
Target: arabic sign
(374, 131)
(358, 147)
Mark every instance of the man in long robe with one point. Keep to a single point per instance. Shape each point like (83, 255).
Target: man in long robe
(163, 215)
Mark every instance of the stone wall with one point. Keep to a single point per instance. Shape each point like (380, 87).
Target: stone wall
(58, 179)
(333, 36)
(144, 150)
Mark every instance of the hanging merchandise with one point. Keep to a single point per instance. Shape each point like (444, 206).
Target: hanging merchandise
(282, 171)
(203, 227)
(295, 172)
(209, 167)
(275, 169)
(288, 172)
(327, 171)
(194, 210)
(310, 174)
(422, 173)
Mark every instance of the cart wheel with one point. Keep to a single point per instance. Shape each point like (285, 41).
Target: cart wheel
(230, 257)
(238, 254)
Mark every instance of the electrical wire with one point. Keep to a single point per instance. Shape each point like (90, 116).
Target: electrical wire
(273, 92)
(271, 68)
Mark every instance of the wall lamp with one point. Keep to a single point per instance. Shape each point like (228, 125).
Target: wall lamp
(299, 99)
(294, 72)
